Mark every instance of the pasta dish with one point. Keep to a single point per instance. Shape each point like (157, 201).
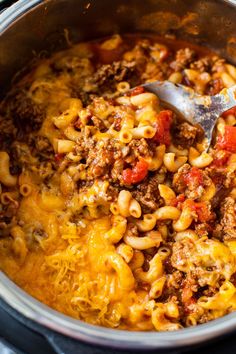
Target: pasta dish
(111, 210)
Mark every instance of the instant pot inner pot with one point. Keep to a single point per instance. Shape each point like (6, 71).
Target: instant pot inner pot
(48, 26)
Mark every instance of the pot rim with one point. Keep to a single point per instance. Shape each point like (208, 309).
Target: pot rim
(34, 310)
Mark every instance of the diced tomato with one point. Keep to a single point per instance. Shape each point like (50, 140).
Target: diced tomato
(201, 208)
(164, 120)
(58, 158)
(137, 91)
(221, 158)
(203, 212)
(178, 200)
(189, 203)
(230, 111)
(136, 174)
(228, 140)
(194, 177)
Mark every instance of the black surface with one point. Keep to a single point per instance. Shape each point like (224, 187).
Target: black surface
(21, 337)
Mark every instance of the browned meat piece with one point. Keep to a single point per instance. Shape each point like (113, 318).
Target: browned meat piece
(26, 114)
(84, 145)
(98, 123)
(101, 163)
(220, 177)
(101, 159)
(202, 65)
(192, 187)
(182, 251)
(7, 133)
(184, 57)
(184, 135)
(137, 148)
(107, 76)
(187, 258)
(21, 155)
(226, 229)
(42, 144)
(147, 194)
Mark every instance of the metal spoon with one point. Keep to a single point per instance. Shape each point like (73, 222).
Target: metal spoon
(196, 109)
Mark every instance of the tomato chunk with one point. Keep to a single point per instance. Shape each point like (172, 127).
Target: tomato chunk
(194, 177)
(230, 111)
(176, 202)
(58, 158)
(164, 120)
(137, 91)
(136, 174)
(201, 209)
(221, 158)
(228, 140)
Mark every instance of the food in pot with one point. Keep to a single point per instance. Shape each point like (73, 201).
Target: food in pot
(111, 210)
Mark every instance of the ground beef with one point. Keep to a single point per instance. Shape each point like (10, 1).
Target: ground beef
(84, 145)
(21, 155)
(137, 148)
(184, 134)
(42, 144)
(156, 71)
(147, 194)
(181, 252)
(101, 159)
(221, 177)
(7, 133)
(193, 190)
(107, 76)
(98, 123)
(175, 277)
(187, 257)
(26, 114)
(183, 59)
(226, 229)
(202, 65)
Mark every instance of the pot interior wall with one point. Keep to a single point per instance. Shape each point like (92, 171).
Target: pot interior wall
(42, 29)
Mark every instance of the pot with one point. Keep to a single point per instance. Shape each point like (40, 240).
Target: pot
(35, 26)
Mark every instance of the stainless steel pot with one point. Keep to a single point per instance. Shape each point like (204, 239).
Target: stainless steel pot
(33, 26)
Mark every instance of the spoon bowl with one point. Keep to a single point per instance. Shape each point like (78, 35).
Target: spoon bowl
(194, 108)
